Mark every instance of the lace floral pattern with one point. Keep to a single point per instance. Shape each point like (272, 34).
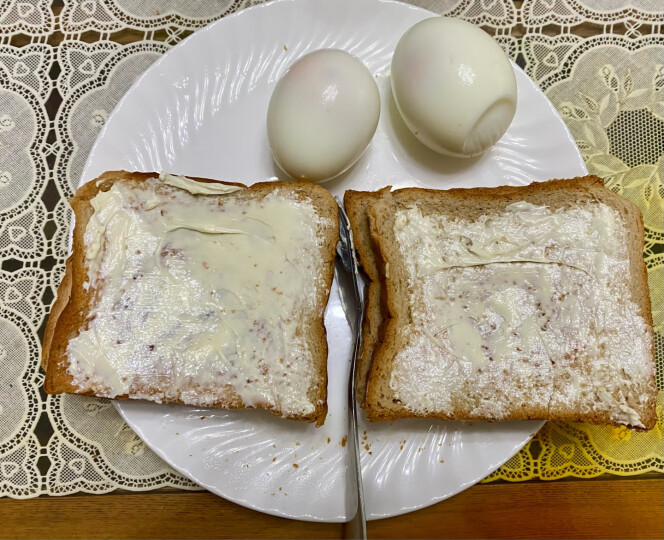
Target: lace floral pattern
(108, 16)
(538, 13)
(62, 70)
(34, 18)
(609, 91)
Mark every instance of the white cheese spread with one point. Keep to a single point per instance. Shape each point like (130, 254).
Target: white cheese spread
(194, 295)
(523, 309)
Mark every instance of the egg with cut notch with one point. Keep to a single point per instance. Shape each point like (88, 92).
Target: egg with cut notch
(453, 85)
(322, 115)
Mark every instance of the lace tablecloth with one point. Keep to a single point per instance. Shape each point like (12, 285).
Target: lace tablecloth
(63, 67)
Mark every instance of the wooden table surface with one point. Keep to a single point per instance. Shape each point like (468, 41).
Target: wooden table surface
(603, 508)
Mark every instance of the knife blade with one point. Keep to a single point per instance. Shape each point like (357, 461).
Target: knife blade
(352, 300)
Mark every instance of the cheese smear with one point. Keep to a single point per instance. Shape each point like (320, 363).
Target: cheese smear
(195, 295)
(527, 308)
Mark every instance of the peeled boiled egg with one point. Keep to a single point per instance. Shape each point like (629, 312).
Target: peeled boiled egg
(322, 115)
(453, 86)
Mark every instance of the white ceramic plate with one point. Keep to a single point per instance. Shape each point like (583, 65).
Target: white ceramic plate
(200, 110)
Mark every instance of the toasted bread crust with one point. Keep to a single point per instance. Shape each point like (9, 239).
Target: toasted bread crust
(380, 402)
(70, 312)
(357, 204)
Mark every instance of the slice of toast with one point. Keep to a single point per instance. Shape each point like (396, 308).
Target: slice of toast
(513, 303)
(197, 292)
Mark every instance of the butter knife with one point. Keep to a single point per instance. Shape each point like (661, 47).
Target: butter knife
(352, 301)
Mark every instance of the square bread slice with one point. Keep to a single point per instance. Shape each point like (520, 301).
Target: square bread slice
(511, 303)
(198, 292)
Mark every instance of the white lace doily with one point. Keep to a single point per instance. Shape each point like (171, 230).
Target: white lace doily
(63, 69)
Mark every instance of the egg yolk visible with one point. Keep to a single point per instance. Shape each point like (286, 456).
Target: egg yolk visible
(453, 86)
(322, 115)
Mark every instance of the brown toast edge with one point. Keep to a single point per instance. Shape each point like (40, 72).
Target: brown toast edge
(357, 204)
